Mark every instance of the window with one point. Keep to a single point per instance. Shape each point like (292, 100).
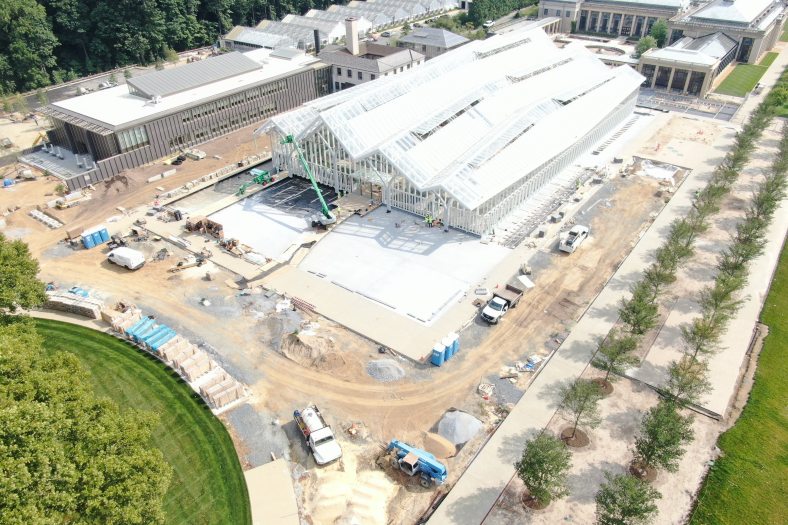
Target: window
(349, 74)
(132, 139)
(423, 47)
(546, 12)
(557, 12)
(568, 14)
(336, 86)
(339, 71)
(372, 77)
(359, 76)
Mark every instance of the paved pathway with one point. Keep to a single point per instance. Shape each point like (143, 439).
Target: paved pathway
(479, 487)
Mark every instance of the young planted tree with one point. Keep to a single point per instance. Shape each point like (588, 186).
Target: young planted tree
(660, 32)
(615, 355)
(625, 500)
(700, 337)
(663, 434)
(543, 468)
(580, 406)
(687, 380)
(640, 312)
(19, 286)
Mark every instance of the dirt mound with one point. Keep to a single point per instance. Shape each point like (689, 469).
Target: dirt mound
(439, 446)
(312, 351)
(459, 427)
(385, 370)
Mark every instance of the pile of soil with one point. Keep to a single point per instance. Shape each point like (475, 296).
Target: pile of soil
(312, 351)
(439, 446)
(459, 427)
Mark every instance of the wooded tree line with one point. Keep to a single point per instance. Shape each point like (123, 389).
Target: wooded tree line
(483, 10)
(48, 41)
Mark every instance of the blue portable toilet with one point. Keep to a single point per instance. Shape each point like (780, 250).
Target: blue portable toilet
(438, 354)
(87, 241)
(97, 238)
(104, 235)
(447, 343)
(455, 342)
(7, 183)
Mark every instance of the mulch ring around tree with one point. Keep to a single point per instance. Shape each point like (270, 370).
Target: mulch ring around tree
(579, 440)
(642, 472)
(605, 386)
(531, 502)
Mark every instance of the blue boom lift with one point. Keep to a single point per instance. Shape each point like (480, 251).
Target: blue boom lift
(414, 461)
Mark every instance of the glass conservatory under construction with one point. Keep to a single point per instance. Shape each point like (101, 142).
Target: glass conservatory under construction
(466, 137)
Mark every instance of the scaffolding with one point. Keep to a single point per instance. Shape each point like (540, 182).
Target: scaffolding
(467, 137)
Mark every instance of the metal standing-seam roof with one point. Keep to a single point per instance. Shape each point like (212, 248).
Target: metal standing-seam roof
(431, 36)
(190, 76)
(258, 38)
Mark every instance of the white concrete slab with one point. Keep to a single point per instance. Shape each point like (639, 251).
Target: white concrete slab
(271, 494)
(397, 261)
(269, 231)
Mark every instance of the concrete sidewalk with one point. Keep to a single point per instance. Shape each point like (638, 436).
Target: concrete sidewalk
(477, 490)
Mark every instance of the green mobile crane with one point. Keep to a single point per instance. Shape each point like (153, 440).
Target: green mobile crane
(328, 217)
(261, 177)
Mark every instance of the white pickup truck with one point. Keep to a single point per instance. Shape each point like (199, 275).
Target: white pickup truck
(318, 435)
(573, 239)
(500, 303)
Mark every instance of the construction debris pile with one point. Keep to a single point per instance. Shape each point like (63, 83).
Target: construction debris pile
(385, 370)
(202, 373)
(205, 226)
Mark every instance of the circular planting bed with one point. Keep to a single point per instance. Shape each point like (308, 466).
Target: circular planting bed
(640, 471)
(605, 386)
(531, 502)
(579, 440)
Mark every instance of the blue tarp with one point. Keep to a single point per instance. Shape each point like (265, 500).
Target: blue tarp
(159, 341)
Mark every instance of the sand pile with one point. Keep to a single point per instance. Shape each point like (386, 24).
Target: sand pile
(312, 351)
(385, 370)
(459, 427)
(438, 445)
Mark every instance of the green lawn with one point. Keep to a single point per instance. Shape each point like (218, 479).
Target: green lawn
(768, 59)
(207, 484)
(784, 36)
(749, 483)
(741, 80)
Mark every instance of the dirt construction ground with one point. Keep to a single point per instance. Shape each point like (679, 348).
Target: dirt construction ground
(272, 352)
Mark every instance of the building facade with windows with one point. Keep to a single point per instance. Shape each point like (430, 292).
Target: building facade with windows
(689, 66)
(469, 136)
(99, 135)
(359, 62)
(632, 18)
(755, 25)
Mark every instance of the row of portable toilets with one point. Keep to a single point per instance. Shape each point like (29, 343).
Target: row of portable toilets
(445, 349)
(216, 386)
(95, 237)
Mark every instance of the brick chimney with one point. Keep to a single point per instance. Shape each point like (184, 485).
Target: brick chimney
(351, 35)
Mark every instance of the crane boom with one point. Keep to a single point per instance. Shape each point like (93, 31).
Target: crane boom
(289, 139)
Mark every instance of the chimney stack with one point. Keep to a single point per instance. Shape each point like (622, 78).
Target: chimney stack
(351, 36)
(317, 42)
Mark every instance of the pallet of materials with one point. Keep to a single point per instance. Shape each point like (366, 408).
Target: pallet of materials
(74, 304)
(196, 365)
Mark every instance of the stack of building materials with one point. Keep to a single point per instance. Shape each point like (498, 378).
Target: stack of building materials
(74, 303)
(195, 366)
(46, 219)
(216, 386)
(221, 389)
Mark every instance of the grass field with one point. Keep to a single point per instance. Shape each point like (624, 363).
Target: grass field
(784, 36)
(749, 483)
(207, 484)
(743, 78)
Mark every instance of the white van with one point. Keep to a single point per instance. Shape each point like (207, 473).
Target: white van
(131, 259)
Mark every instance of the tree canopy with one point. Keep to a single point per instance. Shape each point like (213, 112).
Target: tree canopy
(644, 44)
(625, 500)
(19, 287)
(543, 468)
(580, 404)
(66, 456)
(663, 434)
(45, 41)
(660, 32)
